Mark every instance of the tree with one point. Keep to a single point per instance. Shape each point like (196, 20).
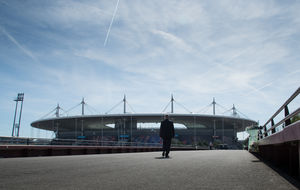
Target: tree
(296, 118)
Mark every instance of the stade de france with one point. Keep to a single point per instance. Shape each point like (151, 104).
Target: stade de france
(198, 128)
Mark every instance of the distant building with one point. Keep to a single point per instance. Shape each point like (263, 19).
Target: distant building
(124, 127)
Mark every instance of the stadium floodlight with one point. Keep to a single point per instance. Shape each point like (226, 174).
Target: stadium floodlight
(16, 126)
(20, 97)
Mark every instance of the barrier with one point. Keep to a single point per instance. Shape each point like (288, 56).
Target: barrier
(282, 147)
(9, 151)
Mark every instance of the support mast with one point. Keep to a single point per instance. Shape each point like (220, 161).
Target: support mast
(13, 130)
(172, 104)
(234, 113)
(124, 102)
(214, 106)
(16, 126)
(57, 110)
(82, 106)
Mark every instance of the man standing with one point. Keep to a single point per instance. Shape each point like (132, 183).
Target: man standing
(166, 132)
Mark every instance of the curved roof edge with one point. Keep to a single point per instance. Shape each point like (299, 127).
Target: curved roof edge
(141, 115)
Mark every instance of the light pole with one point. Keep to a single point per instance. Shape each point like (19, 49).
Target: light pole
(16, 126)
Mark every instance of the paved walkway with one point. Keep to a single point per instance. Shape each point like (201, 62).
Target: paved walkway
(217, 169)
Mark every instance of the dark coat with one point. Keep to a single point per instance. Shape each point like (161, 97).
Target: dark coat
(166, 130)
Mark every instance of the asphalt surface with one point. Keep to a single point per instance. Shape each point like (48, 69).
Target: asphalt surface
(216, 169)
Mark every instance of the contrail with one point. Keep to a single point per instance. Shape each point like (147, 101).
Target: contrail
(12, 39)
(111, 22)
(269, 84)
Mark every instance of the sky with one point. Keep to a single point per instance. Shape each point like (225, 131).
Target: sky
(244, 53)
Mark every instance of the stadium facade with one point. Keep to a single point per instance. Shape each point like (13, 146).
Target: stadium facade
(199, 128)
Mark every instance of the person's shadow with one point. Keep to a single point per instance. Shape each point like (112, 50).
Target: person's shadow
(162, 157)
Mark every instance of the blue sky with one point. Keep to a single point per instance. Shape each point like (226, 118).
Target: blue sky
(240, 52)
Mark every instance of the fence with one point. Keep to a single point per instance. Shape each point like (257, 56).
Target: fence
(265, 131)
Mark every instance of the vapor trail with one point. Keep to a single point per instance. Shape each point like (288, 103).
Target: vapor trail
(269, 84)
(111, 22)
(12, 39)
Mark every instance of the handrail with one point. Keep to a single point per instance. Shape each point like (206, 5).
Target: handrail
(294, 95)
(289, 116)
(284, 119)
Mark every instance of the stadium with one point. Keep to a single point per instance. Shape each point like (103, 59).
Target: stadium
(194, 129)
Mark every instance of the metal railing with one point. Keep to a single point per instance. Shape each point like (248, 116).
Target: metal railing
(264, 132)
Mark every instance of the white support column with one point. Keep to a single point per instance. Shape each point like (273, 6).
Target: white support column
(214, 106)
(172, 104)
(234, 113)
(82, 106)
(124, 102)
(57, 110)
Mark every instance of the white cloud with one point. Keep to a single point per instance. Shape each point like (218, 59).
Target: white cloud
(175, 41)
(240, 9)
(239, 52)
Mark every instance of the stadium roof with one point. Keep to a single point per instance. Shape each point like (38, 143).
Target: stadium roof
(93, 122)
